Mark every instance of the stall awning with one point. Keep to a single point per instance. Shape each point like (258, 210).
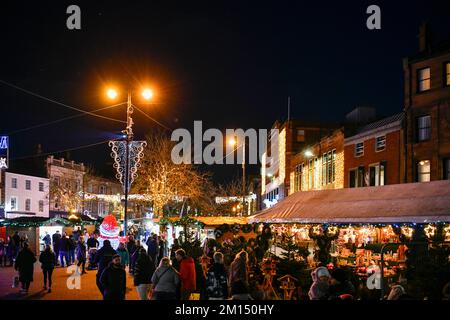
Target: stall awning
(215, 221)
(413, 202)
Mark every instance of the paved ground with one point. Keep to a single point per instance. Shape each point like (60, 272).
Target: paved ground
(60, 289)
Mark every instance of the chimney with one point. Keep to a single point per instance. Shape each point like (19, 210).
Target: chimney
(424, 37)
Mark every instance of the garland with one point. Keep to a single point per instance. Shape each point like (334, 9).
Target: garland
(188, 221)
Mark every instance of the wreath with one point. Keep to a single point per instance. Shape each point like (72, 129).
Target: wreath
(247, 228)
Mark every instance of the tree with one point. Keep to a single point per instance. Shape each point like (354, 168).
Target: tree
(167, 183)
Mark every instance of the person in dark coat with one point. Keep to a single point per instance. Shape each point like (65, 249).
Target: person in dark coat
(72, 248)
(25, 265)
(55, 240)
(64, 248)
(114, 280)
(135, 255)
(102, 259)
(48, 262)
(16, 243)
(340, 285)
(81, 254)
(153, 248)
(143, 272)
(216, 279)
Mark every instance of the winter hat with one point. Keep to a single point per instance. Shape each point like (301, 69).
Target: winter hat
(322, 272)
(116, 256)
(339, 274)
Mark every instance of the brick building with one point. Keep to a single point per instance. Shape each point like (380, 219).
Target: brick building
(319, 166)
(427, 107)
(374, 155)
(294, 135)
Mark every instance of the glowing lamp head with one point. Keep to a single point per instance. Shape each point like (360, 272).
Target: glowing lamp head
(111, 93)
(147, 94)
(308, 153)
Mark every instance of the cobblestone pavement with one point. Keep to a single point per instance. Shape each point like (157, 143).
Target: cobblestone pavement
(62, 280)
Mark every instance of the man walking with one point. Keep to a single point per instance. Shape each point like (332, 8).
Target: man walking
(114, 280)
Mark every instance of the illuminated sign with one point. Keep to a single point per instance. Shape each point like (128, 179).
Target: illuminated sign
(4, 152)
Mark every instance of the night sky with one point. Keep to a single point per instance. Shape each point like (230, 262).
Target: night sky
(231, 64)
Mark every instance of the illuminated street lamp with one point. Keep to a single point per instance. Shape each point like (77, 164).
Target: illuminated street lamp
(127, 153)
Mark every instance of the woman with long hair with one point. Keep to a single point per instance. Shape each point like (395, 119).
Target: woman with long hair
(48, 262)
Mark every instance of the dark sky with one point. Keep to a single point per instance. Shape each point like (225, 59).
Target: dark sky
(231, 64)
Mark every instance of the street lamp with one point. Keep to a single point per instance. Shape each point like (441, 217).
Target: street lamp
(121, 150)
(233, 142)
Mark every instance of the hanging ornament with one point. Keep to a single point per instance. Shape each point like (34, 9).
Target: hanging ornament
(447, 232)
(332, 231)
(317, 230)
(388, 231)
(430, 231)
(407, 231)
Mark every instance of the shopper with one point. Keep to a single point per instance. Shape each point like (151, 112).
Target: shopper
(16, 243)
(102, 259)
(216, 279)
(3, 247)
(113, 280)
(64, 248)
(72, 247)
(25, 265)
(143, 272)
(81, 254)
(48, 262)
(239, 268)
(165, 281)
(340, 285)
(135, 255)
(152, 246)
(320, 288)
(239, 291)
(56, 237)
(187, 274)
(124, 256)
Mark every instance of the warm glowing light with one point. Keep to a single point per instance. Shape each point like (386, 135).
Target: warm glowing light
(407, 231)
(388, 231)
(317, 230)
(308, 153)
(332, 230)
(232, 142)
(447, 232)
(111, 93)
(430, 230)
(147, 94)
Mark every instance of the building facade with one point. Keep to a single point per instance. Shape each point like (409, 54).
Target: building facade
(25, 196)
(101, 196)
(294, 135)
(427, 107)
(66, 185)
(319, 166)
(374, 155)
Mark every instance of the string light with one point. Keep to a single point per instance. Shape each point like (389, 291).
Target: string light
(332, 230)
(447, 231)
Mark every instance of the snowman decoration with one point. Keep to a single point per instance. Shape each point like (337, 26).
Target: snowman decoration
(109, 230)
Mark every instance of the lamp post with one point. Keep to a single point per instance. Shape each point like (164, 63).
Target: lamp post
(233, 142)
(127, 152)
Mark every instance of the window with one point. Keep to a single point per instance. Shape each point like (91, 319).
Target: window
(41, 186)
(328, 167)
(316, 173)
(298, 177)
(41, 205)
(356, 177)
(310, 175)
(377, 174)
(57, 181)
(90, 188)
(300, 135)
(101, 208)
(28, 184)
(13, 204)
(423, 80)
(447, 169)
(102, 190)
(359, 149)
(423, 128)
(28, 205)
(423, 171)
(447, 74)
(380, 143)
(14, 183)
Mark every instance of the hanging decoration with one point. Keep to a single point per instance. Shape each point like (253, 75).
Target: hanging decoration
(119, 154)
(317, 230)
(430, 231)
(407, 232)
(332, 231)
(388, 231)
(447, 232)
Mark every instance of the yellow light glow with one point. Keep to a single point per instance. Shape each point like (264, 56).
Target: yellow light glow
(430, 230)
(111, 93)
(147, 94)
(407, 231)
(232, 142)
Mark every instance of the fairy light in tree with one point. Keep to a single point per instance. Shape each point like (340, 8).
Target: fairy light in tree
(388, 231)
(407, 231)
(430, 231)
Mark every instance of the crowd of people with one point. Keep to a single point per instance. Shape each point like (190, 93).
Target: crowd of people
(160, 272)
